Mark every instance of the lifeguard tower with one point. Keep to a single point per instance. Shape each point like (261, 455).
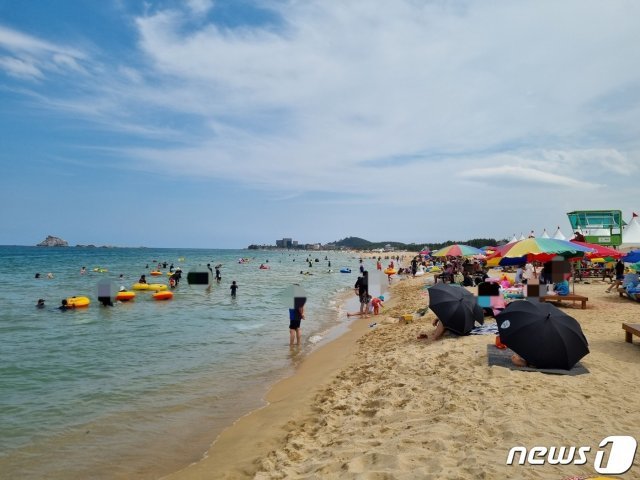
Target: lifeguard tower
(603, 227)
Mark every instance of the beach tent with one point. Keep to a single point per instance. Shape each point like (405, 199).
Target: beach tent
(631, 235)
(521, 237)
(544, 234)
(558, 235)
(513, 240)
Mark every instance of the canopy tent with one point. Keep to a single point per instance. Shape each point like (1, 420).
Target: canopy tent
(631, 235)
(513, 239)
(558, 235)
(544, 234)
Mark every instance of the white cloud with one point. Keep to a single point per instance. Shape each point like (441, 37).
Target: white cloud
(362, 96)
(522, 174)
(20, 68)
(200, 6)
(31, 57)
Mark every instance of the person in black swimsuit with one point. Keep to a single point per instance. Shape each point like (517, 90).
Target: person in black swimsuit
(296, 315)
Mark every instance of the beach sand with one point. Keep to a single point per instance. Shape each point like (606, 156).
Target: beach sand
(381, 403)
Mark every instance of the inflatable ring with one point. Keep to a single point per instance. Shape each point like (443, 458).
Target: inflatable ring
(163, 295)
(78, 302)
(125, 296)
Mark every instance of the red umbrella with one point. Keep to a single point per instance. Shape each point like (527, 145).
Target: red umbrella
(600, 250)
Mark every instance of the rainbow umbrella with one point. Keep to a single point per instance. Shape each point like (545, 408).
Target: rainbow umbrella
(457, 251)
(540, 249)
(600, 250)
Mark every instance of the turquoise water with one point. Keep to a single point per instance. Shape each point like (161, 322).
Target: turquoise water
(142, 388)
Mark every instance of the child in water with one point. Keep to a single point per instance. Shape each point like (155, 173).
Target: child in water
(233, 287)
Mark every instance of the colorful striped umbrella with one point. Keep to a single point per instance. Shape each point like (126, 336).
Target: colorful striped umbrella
(541, 249)
(600, 250)
(457, 251)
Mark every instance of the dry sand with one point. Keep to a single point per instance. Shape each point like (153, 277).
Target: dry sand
(379, 403)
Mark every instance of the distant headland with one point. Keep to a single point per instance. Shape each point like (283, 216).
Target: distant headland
(52, 241)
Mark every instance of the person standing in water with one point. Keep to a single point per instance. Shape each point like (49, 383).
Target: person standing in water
(296, 315)
(233, 287)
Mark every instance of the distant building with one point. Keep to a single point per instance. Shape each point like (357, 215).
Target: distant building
(286, 243)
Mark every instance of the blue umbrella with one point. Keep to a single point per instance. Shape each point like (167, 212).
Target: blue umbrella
(632, 257)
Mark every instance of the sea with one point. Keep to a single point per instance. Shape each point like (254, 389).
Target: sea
(140, 389)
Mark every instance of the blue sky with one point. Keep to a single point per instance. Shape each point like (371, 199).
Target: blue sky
(223, 123)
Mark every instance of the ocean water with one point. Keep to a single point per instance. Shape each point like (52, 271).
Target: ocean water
(142, 388)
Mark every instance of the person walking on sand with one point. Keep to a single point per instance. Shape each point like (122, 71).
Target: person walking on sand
(619, 276)
(296, 315)
(233, 287)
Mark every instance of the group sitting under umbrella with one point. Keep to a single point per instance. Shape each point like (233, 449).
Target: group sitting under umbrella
(539, 333)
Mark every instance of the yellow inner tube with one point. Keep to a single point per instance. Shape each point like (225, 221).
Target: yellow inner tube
(124, 296)
(78, 302)
(163, 295)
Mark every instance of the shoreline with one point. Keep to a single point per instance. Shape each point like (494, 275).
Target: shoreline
(238, 451)
(390, 405)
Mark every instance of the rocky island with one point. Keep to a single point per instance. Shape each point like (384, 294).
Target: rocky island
(52, 241)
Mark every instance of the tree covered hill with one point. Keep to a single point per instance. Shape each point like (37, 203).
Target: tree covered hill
(358, 243)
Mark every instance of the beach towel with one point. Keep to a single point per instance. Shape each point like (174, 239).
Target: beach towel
(486, 329)
(502, 358)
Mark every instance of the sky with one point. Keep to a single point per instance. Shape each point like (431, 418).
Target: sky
(224, 123)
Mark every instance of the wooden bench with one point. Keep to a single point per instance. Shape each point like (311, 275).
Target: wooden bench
(559, 298)
(630, 329)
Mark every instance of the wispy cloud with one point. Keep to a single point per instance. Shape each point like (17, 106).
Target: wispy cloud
(319, 97)
(28, 56)
(524, 175)
(22, 68)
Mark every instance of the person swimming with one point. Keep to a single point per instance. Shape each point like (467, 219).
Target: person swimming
(40, 303)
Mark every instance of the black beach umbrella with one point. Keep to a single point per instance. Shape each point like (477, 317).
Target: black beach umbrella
(456, 307)
(542, 334)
